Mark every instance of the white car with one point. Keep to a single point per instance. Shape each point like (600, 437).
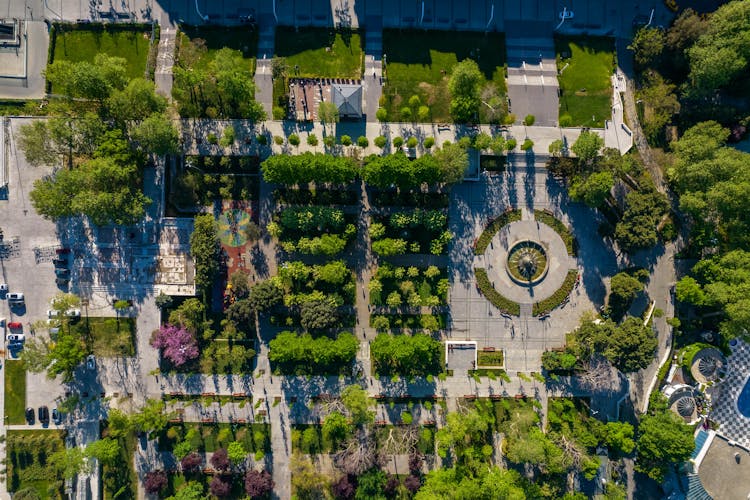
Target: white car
(15, 338)
(15, 298)
(3, 288)
(73, 313)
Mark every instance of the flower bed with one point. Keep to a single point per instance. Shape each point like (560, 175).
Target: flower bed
(490, 358)
(418, 231)
(545, 217)
(395, 286)
(493, 227)
(485, 286)
(557, 298)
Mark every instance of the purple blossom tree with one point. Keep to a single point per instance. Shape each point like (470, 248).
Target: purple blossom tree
(219, 487)
(258, 484)
(155, 481)
(176, 343)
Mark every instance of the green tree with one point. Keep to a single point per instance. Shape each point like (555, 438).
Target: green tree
(328, 113)
(370, 485)
(381, 114)
(192, 490)
(619, 436)
(294, 140)
(689, 290)
(106, 450)
(453, 161)
(624, 288)
(482, 141)
(587, 146)
(464, 86)
(460, 482)
(664, 440)
(204, 248)
(68, 462)
(135, 102)
(65, 356)
(336, 428)
(151, 418)
(318, 314)
(644, 210)
(236, 452)
(648, 45)
(156, 134)
(659, 95)
(380, 141)
(36, 143)
(265, 295)
(312, 140)
(357, 403)
(594, 189)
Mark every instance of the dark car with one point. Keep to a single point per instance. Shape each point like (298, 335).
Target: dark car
(62, 251)
(62, 281)
(56, 416)
(62, 272)
(44, 415)
(30, 416)
(60, 261)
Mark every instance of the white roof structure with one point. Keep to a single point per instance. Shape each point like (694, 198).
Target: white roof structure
(348, 100)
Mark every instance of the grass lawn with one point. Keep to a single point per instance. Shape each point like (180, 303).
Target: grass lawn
(217, 37)
(108, 337)
(320, 52)
(27, 454)
(485, 358)
(84, 44)
(420, 63)
(15, 392)
(590, 63)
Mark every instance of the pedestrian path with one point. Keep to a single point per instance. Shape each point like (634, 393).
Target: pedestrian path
(165, 61)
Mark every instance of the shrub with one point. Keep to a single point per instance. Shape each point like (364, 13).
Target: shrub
(429, 142)
(278, 113)
(485, 286)
(211, 138)
(312, 140)
(510, 144)
(380, 141)
(566, 121)
(381, 114)
(278, 140)
(155, 481)
(362, 141)
(412, 142)
(557, 298)
(389, 246)
(527, 144)
(398, 142)
(261, 139)
(547, 218)
(346, 140)
(489, 232)
(294, 140)
(529, 120)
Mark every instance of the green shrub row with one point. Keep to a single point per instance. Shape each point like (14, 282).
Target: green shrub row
(493, 227)
(485, 286)
(546, 217)
(546, 305)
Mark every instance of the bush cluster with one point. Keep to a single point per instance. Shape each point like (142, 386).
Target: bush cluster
(497, 223)
(557, 298)
(485, 286)
(306, 355)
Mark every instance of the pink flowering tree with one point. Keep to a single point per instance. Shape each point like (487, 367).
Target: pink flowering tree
(176, 343)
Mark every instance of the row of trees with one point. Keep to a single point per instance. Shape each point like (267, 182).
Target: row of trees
(446, 166)
(305, 354)
(406, 355)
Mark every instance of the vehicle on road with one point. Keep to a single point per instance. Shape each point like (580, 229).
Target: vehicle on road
(15, 338)
(60, 261)
(15, 325)
(91, 362)
(15, 298)
(30, 416)
(43, 415)
(56, 416)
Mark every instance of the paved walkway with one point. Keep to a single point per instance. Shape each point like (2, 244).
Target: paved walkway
(165, 61)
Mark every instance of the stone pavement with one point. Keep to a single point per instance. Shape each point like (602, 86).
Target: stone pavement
(165, 57)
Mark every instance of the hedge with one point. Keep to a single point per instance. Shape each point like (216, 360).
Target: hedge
(557, 298)
(484, 239)
(497, 300)
(546, 217)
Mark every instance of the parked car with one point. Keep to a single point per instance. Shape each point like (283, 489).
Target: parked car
(62, 281)
(15, 325)
(62, 251)
(43, 415)
(91, 362)
(30, 416)
(73, 313)
(52, 313)
(62, 272)
(60, 261)
(15, 338)
(3, 288)
(15, 298)
(56, 416)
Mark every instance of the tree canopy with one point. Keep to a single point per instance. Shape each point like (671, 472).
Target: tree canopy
(204, 247)
(308, 167)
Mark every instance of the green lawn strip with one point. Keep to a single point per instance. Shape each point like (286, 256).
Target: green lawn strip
(490, 358)
(217, 37)
(320, 52)
(210, 437)
(27, 454)
(548, 304)
(84, 43)
(120, 480)
(420, 63)
(485, 286)
(15, 392)
(309, 439)
(590, 65)
(547, 218)
(493, 227)
(107, 336)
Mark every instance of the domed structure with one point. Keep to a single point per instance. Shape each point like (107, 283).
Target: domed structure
(707, 365)
(682, 400)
